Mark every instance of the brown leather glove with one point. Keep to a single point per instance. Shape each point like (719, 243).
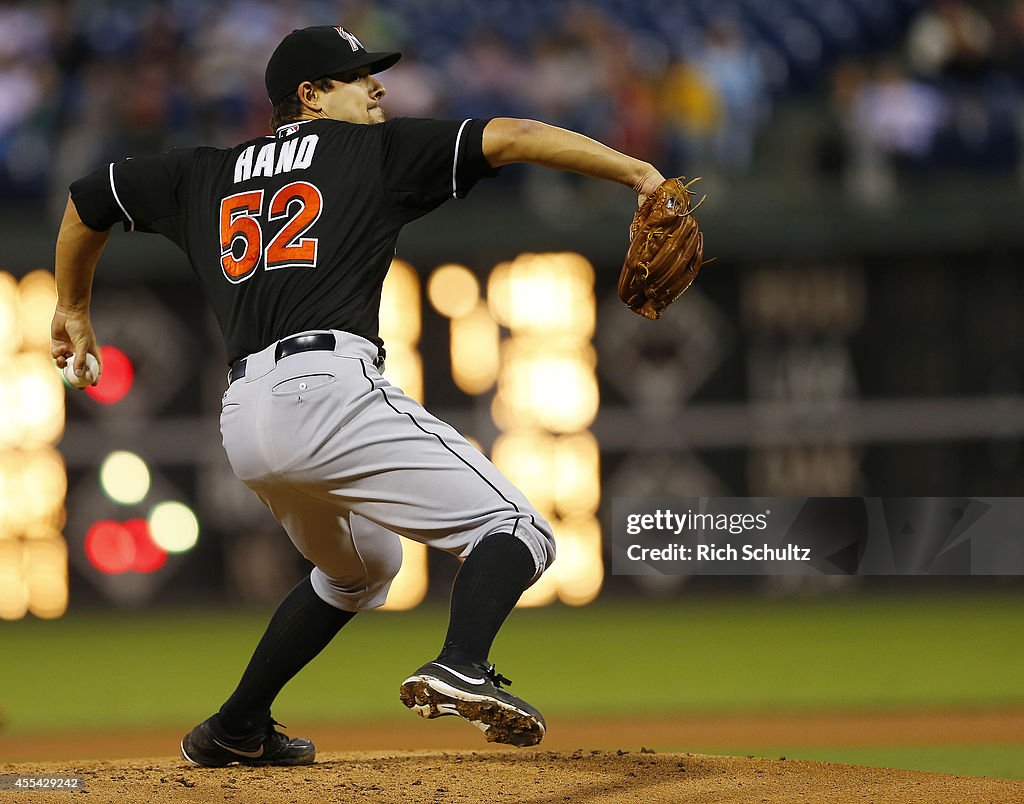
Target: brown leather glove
(666, 250)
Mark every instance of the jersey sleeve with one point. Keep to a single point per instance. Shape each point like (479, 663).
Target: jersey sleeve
(428, 161)
(145, 195)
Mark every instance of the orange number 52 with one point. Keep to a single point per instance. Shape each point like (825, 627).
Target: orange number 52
(241, 236)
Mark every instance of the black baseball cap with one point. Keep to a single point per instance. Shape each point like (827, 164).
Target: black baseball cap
(307, 54)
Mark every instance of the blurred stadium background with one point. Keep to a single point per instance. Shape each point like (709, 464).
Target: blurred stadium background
(859, 334)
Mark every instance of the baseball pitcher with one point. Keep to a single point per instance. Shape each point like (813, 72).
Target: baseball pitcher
(290, 236)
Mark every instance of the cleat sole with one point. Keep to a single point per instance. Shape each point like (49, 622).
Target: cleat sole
(501, 723)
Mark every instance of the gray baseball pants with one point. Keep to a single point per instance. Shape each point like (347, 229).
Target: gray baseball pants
(345, 461)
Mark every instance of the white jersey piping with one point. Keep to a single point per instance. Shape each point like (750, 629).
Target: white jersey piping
(455, 159)
(113, 189)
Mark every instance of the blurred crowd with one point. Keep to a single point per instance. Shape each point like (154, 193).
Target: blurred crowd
(904, 84)
(950, 100)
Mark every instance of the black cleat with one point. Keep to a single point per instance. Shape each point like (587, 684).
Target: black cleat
(209, 747)
(473, 692)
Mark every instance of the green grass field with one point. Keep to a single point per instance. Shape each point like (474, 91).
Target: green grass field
(706, 655)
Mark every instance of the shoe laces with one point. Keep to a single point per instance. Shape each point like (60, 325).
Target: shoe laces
(496, 678)
(276, 738)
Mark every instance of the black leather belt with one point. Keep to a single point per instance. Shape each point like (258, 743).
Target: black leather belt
(315, 342)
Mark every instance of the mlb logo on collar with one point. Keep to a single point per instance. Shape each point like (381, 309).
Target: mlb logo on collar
(354, 43)
(287, 131)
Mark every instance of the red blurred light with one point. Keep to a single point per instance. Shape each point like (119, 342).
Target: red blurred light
(110, 547)
(149, 556)
(116, 379)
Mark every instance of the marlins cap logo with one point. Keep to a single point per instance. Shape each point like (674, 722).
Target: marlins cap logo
(354, 43)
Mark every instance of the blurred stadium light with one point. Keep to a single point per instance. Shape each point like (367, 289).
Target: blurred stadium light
(453, 290)
(400, 327)
(117, 547)
(110, 547)
(475, 347)
(33, 481)
(173, 526)
(547, 397)
(474, 339)
(124, 477)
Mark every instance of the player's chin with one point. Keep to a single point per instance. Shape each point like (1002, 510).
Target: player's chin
(376, 115)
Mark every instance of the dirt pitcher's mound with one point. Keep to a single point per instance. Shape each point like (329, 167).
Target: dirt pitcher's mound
(520, 777)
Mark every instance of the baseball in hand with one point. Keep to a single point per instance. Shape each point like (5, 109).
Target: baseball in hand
(92, 372)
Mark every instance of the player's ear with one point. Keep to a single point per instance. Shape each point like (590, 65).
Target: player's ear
(309, 96)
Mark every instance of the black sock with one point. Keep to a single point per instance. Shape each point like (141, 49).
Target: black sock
(489, 583)
(300, 628)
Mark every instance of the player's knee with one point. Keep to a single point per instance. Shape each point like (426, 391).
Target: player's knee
(537, 535)
(368, 591)
(346, 596)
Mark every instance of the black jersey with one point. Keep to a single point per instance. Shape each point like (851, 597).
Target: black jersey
(296, 231)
